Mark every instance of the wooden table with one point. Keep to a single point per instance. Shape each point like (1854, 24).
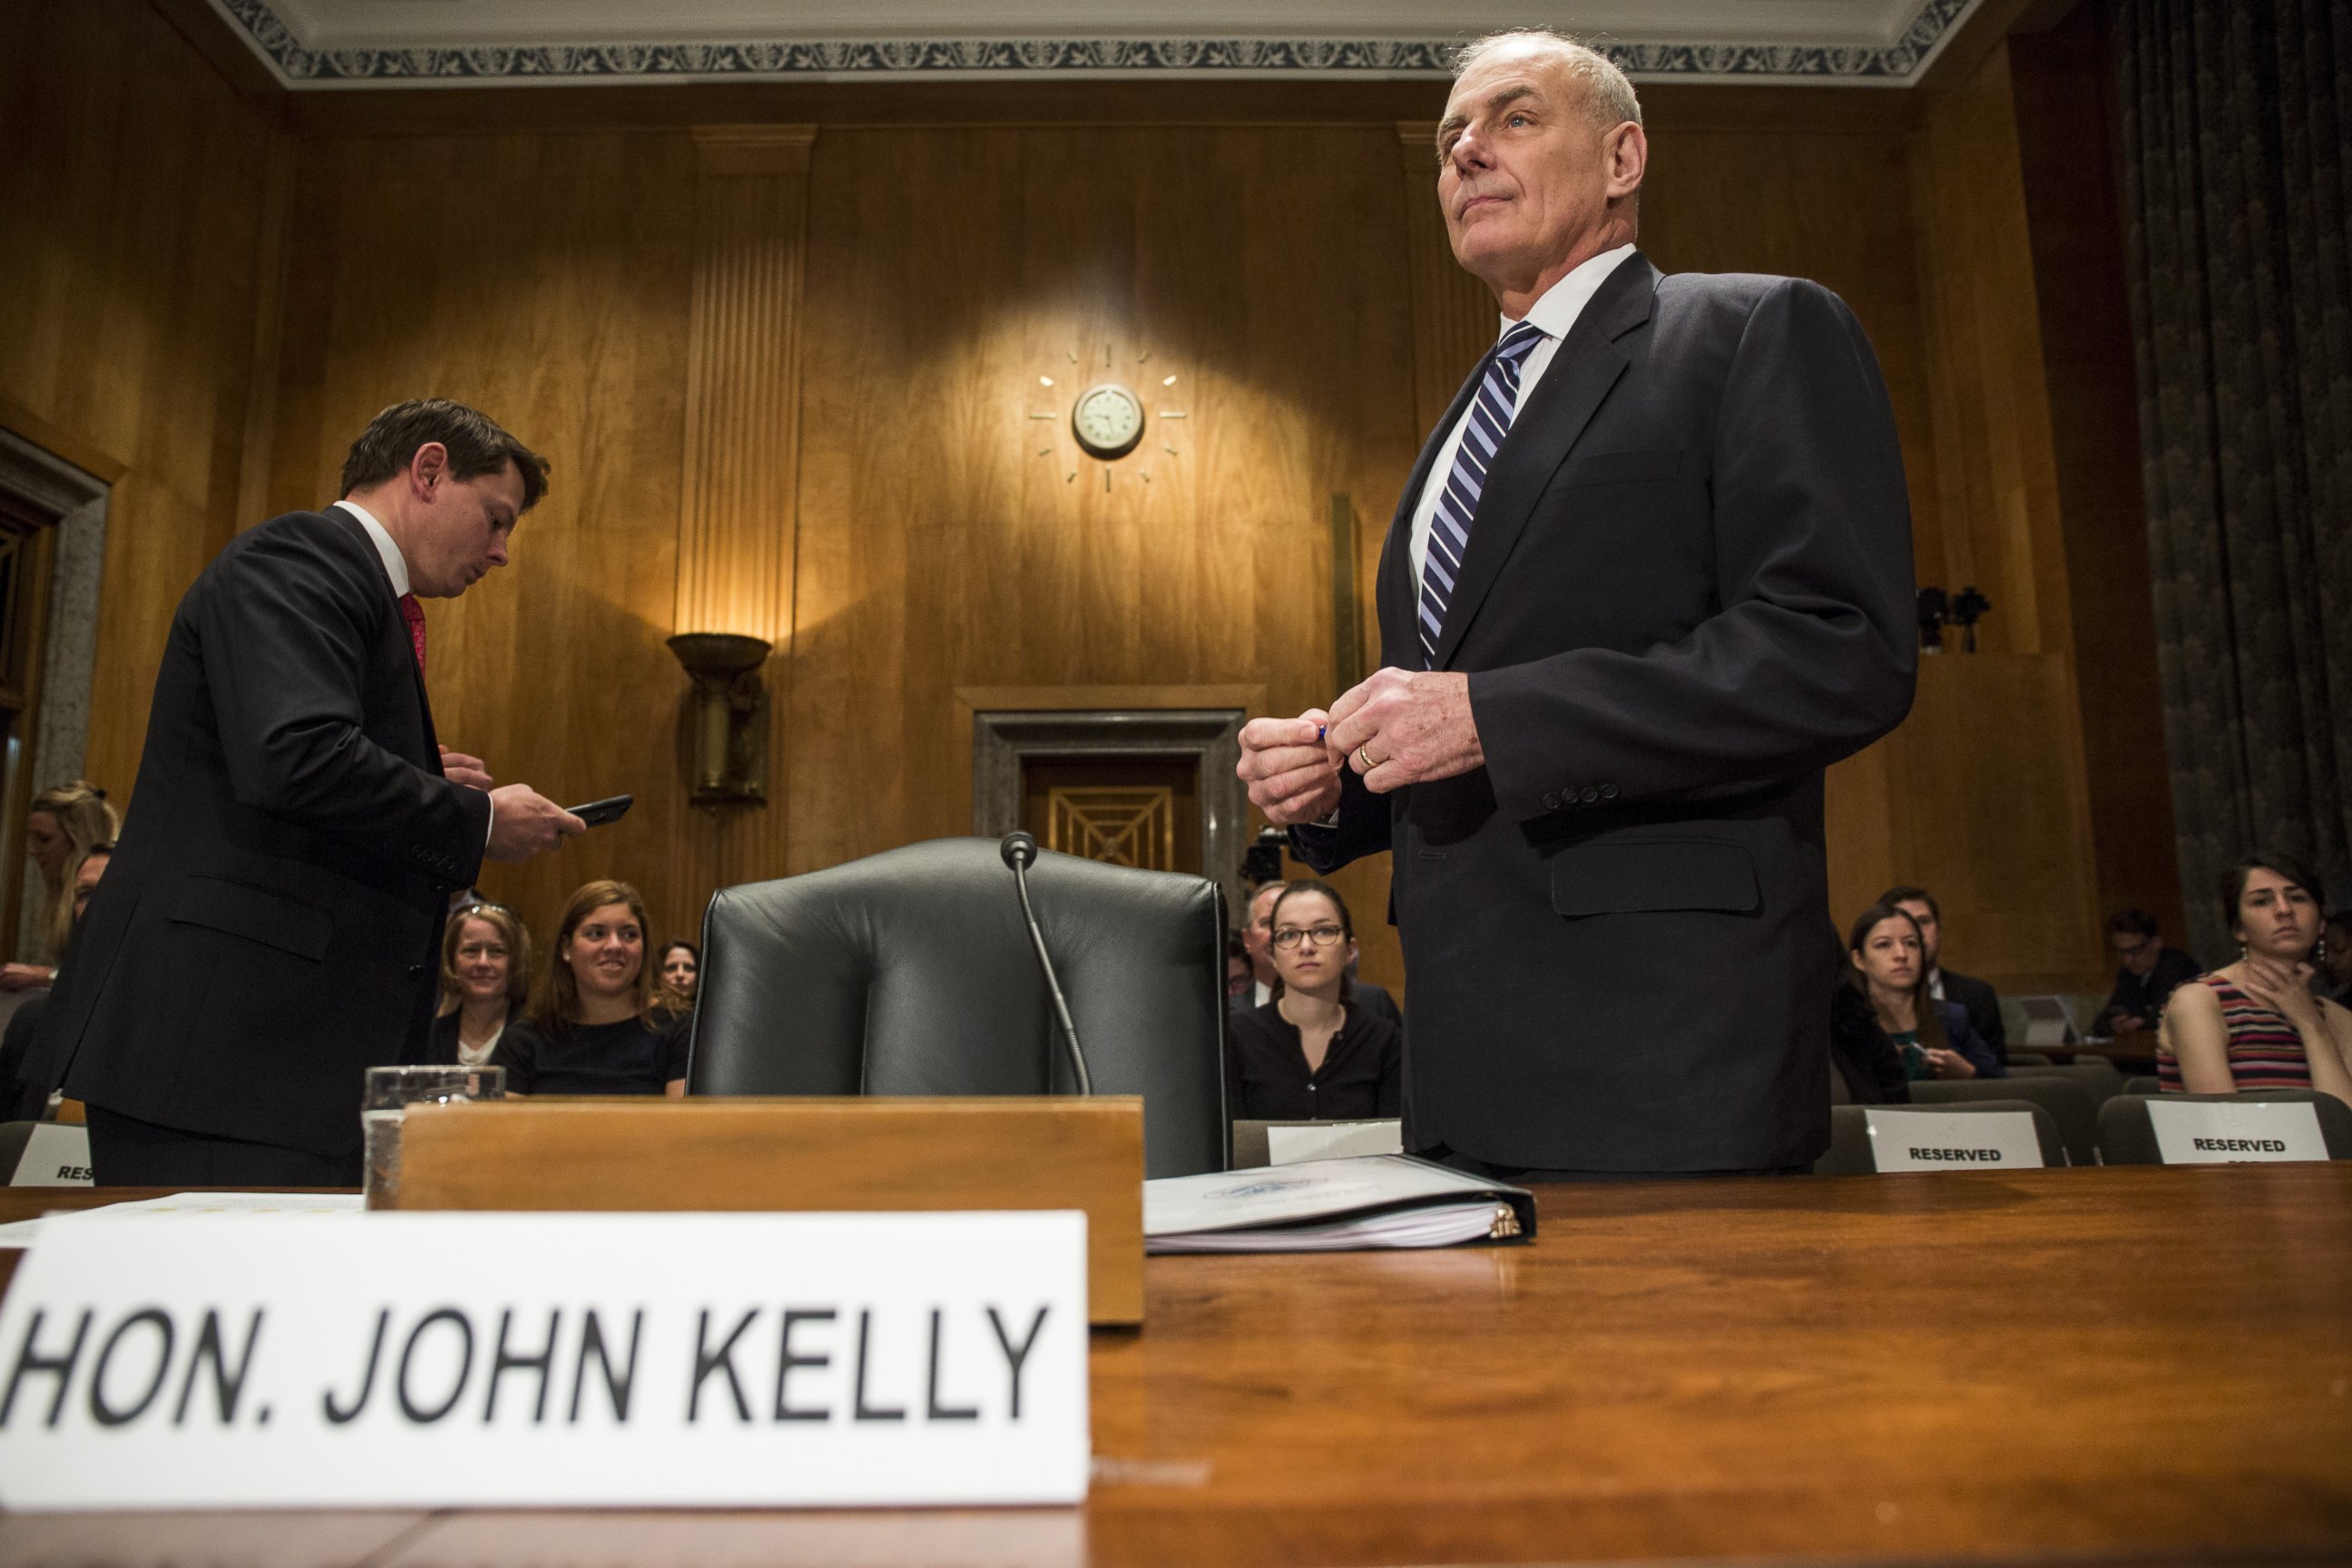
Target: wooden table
(2137, 1364)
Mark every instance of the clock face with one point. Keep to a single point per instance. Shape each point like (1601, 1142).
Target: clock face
(1107, 420)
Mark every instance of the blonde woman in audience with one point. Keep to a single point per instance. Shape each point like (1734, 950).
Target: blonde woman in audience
(1889, 958)
(2255, 1023)
(485, 980)
(61, 826)
(595, 1029)
(681, 968)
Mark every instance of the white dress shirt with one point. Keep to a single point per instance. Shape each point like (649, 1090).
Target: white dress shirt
(1554, 314)
(395, 566)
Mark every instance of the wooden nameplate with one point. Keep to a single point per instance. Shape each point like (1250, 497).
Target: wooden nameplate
(632, 1156)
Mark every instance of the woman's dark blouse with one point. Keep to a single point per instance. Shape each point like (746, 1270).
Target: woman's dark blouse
(1363, 1075)
(626, 1058)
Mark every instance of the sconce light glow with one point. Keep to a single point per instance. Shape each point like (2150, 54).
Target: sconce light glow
(1168, 381)
(1045, 380)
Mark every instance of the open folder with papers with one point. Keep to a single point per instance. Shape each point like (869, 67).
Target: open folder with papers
(1333, 1206)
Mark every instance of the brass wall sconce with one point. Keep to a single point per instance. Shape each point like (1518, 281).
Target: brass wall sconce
(731, 716)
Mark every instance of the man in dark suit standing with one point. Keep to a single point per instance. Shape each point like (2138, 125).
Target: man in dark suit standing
(1652, 573)
(270, 925)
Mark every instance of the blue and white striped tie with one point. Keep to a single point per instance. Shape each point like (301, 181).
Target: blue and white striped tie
(1457, 504)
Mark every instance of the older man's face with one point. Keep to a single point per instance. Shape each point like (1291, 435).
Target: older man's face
(1525, 175)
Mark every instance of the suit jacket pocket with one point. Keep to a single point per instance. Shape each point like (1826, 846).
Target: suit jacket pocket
(256, 914)
(1655, 876)
(1644, 467)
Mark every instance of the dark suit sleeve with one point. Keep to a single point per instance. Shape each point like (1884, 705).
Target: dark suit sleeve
(1365, 821)
(1965, 1039)
(284, 630)
(1812, 655)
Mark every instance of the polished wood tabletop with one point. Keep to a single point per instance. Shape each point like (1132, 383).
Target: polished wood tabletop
(2131, 1365)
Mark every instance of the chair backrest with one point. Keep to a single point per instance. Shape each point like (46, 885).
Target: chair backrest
(2127, 1135)
(912, 973)
(1849, 1151)
(2096, 1075)
(2068, 1103)
(2027, 1059)
(2143, 1084)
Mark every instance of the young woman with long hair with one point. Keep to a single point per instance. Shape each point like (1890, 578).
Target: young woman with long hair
(595, 1027)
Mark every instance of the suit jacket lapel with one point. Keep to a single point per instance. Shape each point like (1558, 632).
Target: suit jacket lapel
(432, 753)
(1586, 366)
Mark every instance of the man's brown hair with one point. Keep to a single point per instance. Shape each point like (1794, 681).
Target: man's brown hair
(476, 444)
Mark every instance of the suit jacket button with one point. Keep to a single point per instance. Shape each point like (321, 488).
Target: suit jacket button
(417, 971)
(1591, 793)
(1552, 802)
(1609, 792)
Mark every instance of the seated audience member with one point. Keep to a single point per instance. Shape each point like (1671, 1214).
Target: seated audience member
(20, 1101)
(62, 824)
(485, 978)
(2335, 958)
(1888, 953)
(2148, 975)
(2255, 1023)
(1312, 1054)
(1864, 1058)
(1981, 1001)
(681, 969)
(1241, 974)
(595, 1029)
(1255, 932)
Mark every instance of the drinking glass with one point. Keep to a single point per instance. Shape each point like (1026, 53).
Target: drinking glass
(390, 1092)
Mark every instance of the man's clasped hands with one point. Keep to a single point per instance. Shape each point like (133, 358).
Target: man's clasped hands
(1398, 727)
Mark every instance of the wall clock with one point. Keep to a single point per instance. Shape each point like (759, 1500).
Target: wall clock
(1107, 420)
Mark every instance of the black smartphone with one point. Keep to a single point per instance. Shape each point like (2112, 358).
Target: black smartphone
(597, 812)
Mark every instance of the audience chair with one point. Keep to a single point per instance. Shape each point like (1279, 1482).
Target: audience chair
(2027, 1059)
(2142, 1085)
(2068, 1103)
(1850, 1153)
(912, 973)
(2095, 1074)
(2126, 1136)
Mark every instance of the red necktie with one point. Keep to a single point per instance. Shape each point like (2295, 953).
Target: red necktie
(414, 614)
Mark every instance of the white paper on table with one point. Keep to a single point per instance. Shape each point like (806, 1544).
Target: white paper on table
(1317, 1189)
(2206, 1133)
(1332, 1141)
(199, 1205)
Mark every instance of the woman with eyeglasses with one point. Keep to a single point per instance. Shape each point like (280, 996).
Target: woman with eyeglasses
(485, 977)
(1310, 1055)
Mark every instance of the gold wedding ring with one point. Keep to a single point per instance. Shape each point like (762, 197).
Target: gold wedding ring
(1364, 755)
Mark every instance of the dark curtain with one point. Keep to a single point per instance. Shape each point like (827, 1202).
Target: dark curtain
(2235, 186)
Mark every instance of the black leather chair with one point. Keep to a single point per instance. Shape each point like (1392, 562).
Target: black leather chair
(912, 973)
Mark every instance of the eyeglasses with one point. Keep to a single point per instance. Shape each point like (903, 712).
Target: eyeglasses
(2135, 949)
(1321, 936)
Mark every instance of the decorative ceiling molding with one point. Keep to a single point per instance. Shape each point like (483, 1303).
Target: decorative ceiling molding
(441, 45)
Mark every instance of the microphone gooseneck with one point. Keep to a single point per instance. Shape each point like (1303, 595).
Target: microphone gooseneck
(1019, 850)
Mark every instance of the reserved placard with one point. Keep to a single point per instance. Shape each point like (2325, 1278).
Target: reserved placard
(56, 1154)
(2208, 1132)
(1929, 1141)
(439, 1359)
(1332, 1141)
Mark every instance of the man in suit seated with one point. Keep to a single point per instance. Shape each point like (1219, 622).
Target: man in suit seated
(2147, 974)
(1650, 576)
(1975, 997)
(269, 927)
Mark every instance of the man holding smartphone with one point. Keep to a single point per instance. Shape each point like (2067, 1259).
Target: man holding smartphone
(268, 929)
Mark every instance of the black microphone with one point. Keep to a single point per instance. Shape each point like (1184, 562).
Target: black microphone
(1020, 852)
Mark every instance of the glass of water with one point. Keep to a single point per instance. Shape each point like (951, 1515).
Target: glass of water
(389, 1094)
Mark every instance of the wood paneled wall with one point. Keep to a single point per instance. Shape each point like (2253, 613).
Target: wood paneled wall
(936, 536)
(138, 200)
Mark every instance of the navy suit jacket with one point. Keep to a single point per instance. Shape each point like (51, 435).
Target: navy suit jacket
(1687, 590)
(267, 929)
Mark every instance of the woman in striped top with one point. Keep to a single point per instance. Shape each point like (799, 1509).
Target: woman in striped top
(2256, 1023)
